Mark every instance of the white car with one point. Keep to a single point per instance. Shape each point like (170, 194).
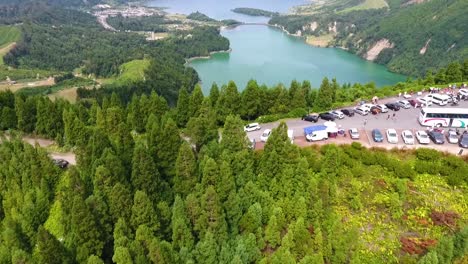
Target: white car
(354, 133)
(408, 137)
(367, 106)
(463, 92)
(383, 108)
(404, 104)
(425, 101)
(361, 110)
(252, 127)
(265, 135)
(392, 136)
(422, 137)
(452, 137)
(338, 114)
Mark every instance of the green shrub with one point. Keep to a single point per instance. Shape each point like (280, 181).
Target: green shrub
(427, 154)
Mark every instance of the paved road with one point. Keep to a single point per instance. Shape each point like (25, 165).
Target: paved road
(404, 119)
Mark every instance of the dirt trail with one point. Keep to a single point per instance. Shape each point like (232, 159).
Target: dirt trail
(68, 156)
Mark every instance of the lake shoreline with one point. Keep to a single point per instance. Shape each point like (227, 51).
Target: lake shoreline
(188, 60)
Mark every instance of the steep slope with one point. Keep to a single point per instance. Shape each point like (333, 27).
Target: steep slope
(409, 37)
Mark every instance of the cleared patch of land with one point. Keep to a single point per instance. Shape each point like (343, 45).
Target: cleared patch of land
(26, 84)
(132, 71)
(67, 94)
(368, 4)
(320, 41)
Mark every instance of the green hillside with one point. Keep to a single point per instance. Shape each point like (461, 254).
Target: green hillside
(8, 35)
(408, 27)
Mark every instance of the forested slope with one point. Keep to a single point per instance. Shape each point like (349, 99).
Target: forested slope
(153, 199)
(408, 27)
(64, 40)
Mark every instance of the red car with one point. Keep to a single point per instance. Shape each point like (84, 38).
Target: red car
(414, 103)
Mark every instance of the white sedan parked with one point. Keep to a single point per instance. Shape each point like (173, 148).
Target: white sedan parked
(422, 137)
(392, 136)
(408, 137)
(266, 134)
(252, 127)
(425, 101)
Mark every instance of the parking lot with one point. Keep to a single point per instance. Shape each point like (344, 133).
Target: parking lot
(404, 119)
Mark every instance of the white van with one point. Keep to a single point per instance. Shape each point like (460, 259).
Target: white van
(291, 135)
(440, 99)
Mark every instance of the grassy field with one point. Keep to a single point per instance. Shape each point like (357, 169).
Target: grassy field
(321, 41)
(132, 71)
(368, 4)
(8, 36)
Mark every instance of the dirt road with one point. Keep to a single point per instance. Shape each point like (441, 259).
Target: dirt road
(15, 87)
(68, 156)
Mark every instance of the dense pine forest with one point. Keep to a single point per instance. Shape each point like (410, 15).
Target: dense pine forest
(140, 193)
(165, 174)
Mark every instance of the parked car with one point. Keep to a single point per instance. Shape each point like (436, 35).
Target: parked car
(392, 136)
(252, 127)
(375, 110)
(266, 134)
(393, 106)
(361, 110)
(422, 137)
(367, 106)
(353, 133)
(61, 163)
(377, 135)
(382, 108)
(338, 114)
(463, 142)
(348, 112)
(408, 137)
(404, 104)
(311, 118)
(327, 116)
(414, 103)
(436, 137)
(452, 137)
(425, 101)
(463, 92)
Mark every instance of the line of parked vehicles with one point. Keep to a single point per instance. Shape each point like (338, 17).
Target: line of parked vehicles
(319, 132)
(422, 137)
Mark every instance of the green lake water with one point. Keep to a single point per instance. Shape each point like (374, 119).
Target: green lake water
(271, 56)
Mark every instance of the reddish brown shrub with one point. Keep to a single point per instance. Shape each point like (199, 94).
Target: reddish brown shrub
(444, 218)
(416, 246)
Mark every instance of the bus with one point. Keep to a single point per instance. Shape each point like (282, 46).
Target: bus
(444, 117)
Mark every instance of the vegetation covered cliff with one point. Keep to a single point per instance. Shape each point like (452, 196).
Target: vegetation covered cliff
(409, 37)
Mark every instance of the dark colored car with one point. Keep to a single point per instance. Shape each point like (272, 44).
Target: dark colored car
(311, 118)
(463, 142)
(414, 103)
(348, 112)
(327, 116)
(436, 137)
(375, 110)
(61, 163)
(393, 106)
(377, 135)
